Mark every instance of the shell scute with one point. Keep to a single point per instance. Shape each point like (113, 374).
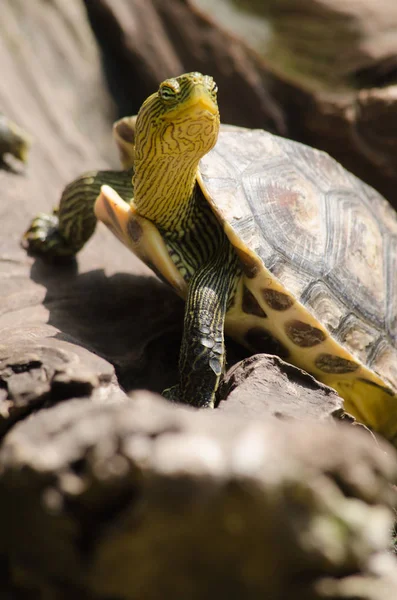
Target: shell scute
(381, 209)
(305, 227)
(356, 248)
(391, 292)
(285, 202)
(384, 360)
(358, 337)
(322, 170)
(322, 301)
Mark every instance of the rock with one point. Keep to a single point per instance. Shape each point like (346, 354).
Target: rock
(34, 376)
(307, 45)
(146, 500)
(153, 40)
(338, 105)
(264, 385)
(105, 496)
(108, 301)
(13, 141)
(300, 88)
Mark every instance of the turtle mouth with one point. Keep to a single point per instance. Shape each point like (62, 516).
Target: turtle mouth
(199, 105)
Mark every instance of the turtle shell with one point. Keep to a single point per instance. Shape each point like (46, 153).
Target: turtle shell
(318, 250)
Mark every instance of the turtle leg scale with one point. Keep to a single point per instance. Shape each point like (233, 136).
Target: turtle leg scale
(44, 238)
(202, 354)
(64, 232)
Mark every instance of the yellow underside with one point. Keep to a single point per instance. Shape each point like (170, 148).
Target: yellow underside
(374, 406)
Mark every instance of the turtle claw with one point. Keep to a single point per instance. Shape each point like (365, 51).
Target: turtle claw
(42, 238)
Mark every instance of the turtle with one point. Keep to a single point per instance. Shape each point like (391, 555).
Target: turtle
(13, 139)
(268, 240)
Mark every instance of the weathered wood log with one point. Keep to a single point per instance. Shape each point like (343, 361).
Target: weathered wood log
(320, 44)
(263, 385)
(53, 86)
(152, 40)
(94, 486)
(145, 500)
(333, 68)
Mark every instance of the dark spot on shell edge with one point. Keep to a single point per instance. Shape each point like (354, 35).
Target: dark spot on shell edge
(134, 230)
(330, 363)
(277, 300)
(304, 335)
(250, 305)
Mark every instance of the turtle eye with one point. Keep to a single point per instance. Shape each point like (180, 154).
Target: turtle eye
(168, 92)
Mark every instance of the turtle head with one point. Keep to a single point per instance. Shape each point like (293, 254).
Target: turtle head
(181, 120)
(175, 127)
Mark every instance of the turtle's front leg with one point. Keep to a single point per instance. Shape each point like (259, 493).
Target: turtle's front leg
(202, 354)
(64, 232)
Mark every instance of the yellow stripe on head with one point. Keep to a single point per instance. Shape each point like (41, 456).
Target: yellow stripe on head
(175, 127)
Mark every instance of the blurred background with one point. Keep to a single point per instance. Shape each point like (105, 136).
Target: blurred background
(320, 71)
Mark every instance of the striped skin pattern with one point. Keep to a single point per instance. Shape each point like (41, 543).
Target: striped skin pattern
(174, 129)
(285, 299)
(64, 233)
(265, 238)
